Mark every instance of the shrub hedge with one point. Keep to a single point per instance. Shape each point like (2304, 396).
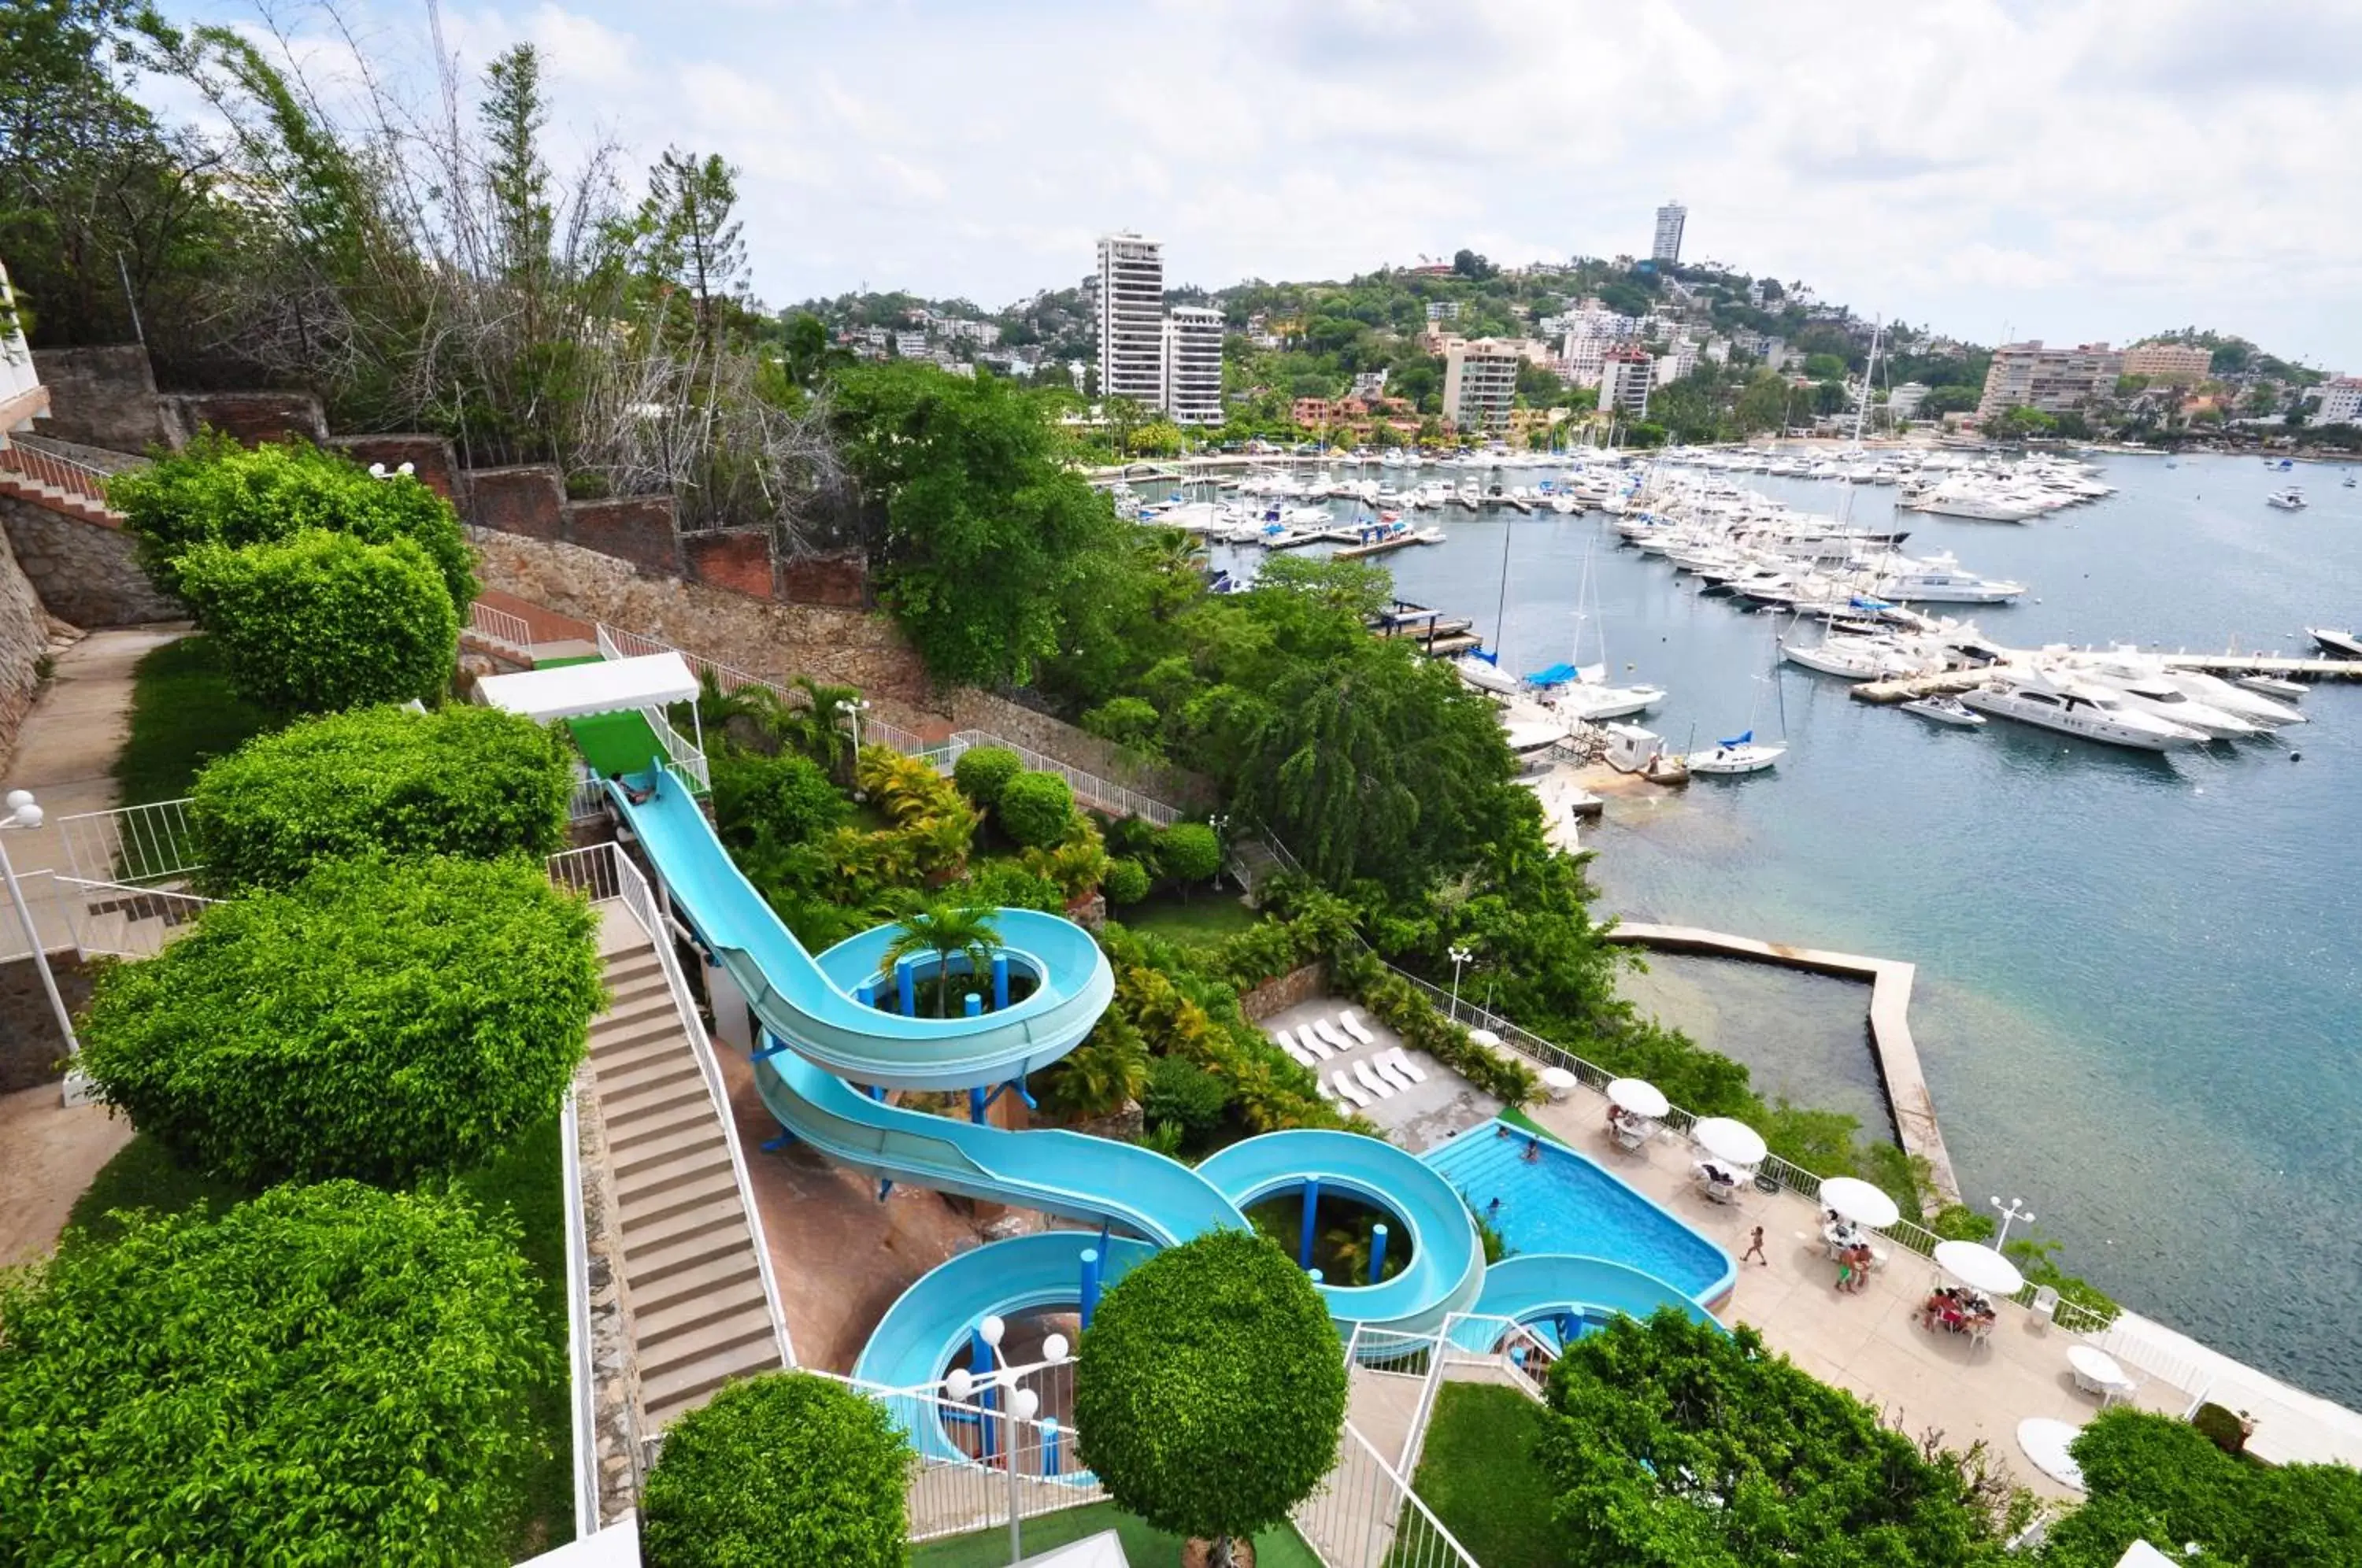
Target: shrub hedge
(1189, 853)
(982, 773)
(1034, 809)
(379, 1020)
(216, 492)
(331, 1374)
(381, 781)
(1127, 881)
(785, 799)
(322, 621)
(779, 1469)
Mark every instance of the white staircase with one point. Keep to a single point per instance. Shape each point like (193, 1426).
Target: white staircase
(693, 1279)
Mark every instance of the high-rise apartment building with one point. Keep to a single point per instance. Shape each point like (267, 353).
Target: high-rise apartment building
(1624, 378)
(1480, 382)
(2169, 361)
(1130, 317)
(1192, 390)
(2340, 401)
(1667, 250)
(2055, 380)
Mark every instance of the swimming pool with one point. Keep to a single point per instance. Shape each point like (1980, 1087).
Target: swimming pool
(1563, 1203)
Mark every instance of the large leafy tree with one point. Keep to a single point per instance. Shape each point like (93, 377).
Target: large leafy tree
(983, 538)
(1210, 1390)
(1680, 1446)
(330, 1374)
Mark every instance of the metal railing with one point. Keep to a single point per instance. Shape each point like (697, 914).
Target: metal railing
(504, 627)
(584, 1376)
(127, 921)
(601, 872)
(131, 843)
(55, 471)
(1090, 790)
(1363, 1515)
(589, 796)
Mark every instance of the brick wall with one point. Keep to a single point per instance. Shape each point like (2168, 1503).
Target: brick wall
(429, 458)
(84, 572)
(528, 501)
(249, 418)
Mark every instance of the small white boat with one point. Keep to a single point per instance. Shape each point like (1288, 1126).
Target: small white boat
(2289, 499)
(2271, 685)
(2345, 645)
(1483, 674)
(1946, 710)
(1740, 753)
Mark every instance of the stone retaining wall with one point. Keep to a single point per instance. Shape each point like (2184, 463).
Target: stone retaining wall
(24, 639)
(84, 572)
(1291, 989)
(102, 396)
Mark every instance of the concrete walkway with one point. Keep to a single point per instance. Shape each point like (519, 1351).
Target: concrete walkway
(65, 754)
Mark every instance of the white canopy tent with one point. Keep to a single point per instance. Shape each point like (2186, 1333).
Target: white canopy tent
(1857, 1200)
(646, 685)
(1979, 1267)
(1732, 1142)
(1638, 1097)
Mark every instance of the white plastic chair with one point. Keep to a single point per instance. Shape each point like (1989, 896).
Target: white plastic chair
(2046, 1308)
(1301, 1054)
(1352, 1090)
(1402, 1064)
(1371, 1081)
(1389, 1072)
(1353, 1026)
(1331, 1034)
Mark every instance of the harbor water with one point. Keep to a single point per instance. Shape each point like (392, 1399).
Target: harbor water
(2140, 999)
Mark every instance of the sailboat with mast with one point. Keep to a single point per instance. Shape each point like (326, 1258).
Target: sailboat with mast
(1742, 753)
(1580, 691)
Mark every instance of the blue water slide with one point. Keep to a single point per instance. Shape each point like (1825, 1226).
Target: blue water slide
(813, 1005)
(1545, 1287)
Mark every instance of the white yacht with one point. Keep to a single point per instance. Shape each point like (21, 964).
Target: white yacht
(1946, 710)
(2051, 702)
(1939, 578)
(2289, 499)
(1485, 675)
(1588, 699)
(2154, 694)
(1741, 752)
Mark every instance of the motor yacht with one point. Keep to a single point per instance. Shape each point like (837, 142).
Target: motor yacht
(1939, 579)
(2342, 645)
(2271, 685)
(2050, 701)
(1944, 709)
(2154, 694)
(2289, 499)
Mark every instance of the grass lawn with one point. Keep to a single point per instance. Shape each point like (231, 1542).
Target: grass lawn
(1201, 920)
(528, 1181)
(1480, 1475)
(1142, 1547)
(183, 714)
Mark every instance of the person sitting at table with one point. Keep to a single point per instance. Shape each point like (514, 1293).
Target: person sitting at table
(1938, 1302)
(1615, 1116)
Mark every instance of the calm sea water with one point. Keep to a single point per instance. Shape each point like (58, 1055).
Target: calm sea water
(2139, 1004)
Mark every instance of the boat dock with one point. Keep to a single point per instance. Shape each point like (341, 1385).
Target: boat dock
(1952, 683)
(1437, 636)
(1402, 540)
(1891, 1045)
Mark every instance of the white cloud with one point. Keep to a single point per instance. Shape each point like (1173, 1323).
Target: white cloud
(2070, 168)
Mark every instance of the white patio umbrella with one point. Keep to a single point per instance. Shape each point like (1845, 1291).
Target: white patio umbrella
(1858, 1201)
(1979, 1267)
(1485, 1037)
(1733, 1142)
(1639, 1097)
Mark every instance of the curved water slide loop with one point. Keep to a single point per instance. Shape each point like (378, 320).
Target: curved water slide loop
(1542, 1289)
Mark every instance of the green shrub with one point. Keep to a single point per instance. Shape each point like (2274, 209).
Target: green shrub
(329, 1374)
(322, 621)
(779, 1469)
(1034, 809)
(1126, 882)
(1185, 1095)
(215, 491)
(787, 798)
(982, 773)
(1127, 721)
(1005, 884)
(1209, 1393)
(465, 780)
(1958, 1222)
(1189, 853)
(379, 1020)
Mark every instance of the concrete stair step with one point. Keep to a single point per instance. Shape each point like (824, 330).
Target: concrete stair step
(655, 1068)
(659, 1232)
(642, 1100)
(621, 1048)
(699, 1142)
(720, 1273)
(650, 1123)
(651, 1262)
(654, 1200)
(658, 1326)
(662, 1173)
(634, 1010)
(682, 1389)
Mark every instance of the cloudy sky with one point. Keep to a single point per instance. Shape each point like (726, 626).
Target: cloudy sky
(2061, 169)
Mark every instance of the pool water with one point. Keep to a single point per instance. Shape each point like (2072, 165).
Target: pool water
(1563, 1203)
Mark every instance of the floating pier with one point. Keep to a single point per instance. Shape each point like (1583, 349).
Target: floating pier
(1952, 683)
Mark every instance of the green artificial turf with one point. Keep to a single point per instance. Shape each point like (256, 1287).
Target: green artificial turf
(1480, 1475)
(615, 743)
(1142, 1547)
(183, 714)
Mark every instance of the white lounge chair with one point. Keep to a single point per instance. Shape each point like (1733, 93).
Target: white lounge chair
(1352, 1090)
(1314, 1043)
(1402, 1064)
(1301, 1054)
(1371, 1081)
(1353, 1025)
(1286, 1038)
(1391, 1073)
(1326, 1092)
(1331, 1034)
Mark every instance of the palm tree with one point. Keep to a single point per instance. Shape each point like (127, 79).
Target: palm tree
(948, 931)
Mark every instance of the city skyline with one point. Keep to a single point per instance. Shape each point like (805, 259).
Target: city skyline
(1995, 171)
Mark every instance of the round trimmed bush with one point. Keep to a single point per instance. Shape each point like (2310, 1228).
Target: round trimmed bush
(465, 780)
(330, 1374)
(323, 620)
(1189, 852)
(1181, 1092)
(1126, 881)
(784, 799)
(379, 1020)
(778, 1469)
(982, 773)
(1210, 1392)
(1034, 809)
(215, 491)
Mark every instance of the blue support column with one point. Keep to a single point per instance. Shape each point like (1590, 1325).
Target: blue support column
(999, 981)
(1049, 1445)
(974, 1006)
(1377, 1252)
(865, 993)
(877, 1093)
(1312, 1221)
(1091, 1292)
(976, 1105)
(884, 1189)
(906, 983)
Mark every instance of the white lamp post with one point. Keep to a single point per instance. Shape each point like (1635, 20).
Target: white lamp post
(853, 708)
(25, 812)
(1021, 1404)
(1460, 956)
(2010, 1214)
(1220, 823)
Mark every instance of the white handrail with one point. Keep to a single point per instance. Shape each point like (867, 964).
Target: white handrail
(578, 1330)
(55, 471)
(1363, 1515)
(149, 843)
(503, 626)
